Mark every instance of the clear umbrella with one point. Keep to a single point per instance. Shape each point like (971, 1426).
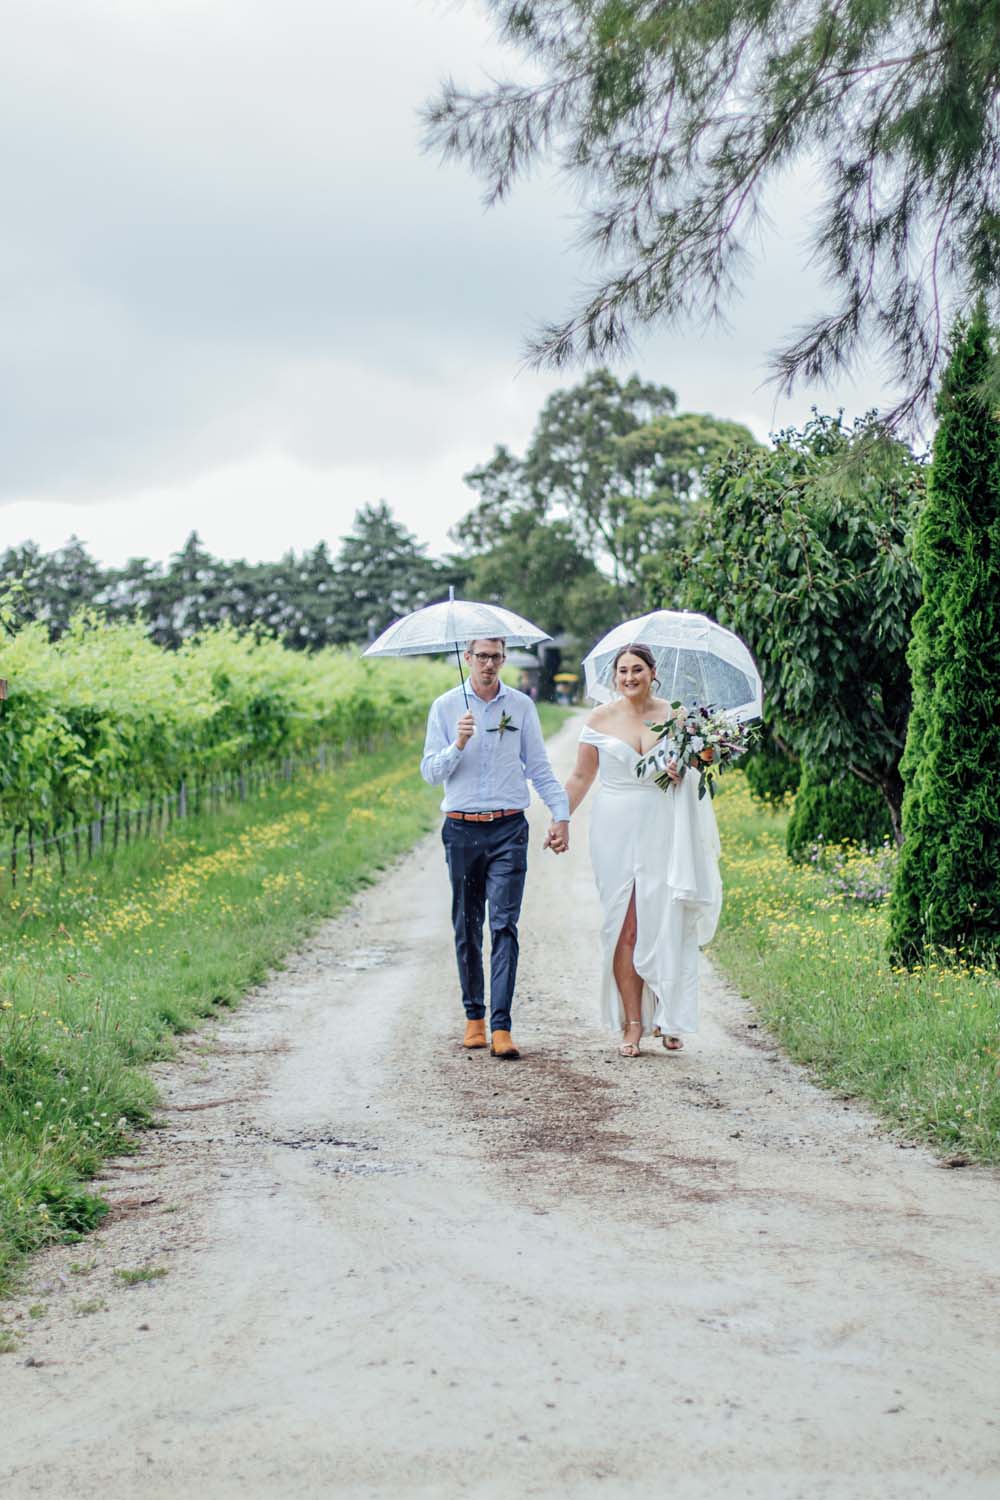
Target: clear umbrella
(697, 661)
(449, 625)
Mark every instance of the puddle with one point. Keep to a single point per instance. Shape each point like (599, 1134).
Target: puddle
(366, 958)
(345, 1166)
(318, 1142)
(337, 1154)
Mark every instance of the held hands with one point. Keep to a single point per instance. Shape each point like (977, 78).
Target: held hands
(466, 729)
(557, 838)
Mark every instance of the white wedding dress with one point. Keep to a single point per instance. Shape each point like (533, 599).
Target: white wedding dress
(665, 845)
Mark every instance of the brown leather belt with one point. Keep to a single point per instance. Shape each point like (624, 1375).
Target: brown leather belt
(486, 817)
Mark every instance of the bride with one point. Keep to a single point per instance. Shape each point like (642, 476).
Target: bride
(655, 858)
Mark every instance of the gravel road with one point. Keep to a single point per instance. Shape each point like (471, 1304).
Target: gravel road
(396, 1269)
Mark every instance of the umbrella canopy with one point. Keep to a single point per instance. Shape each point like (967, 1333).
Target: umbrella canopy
(453, 622)
(697, 661)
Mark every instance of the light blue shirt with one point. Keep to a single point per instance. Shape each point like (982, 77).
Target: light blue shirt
(494, 769)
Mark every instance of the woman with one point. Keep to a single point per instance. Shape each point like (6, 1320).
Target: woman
(655, 858)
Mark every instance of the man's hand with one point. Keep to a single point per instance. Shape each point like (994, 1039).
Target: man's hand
(557, 838)
(466, 729)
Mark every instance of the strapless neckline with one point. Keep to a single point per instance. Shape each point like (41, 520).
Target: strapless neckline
(617, 740)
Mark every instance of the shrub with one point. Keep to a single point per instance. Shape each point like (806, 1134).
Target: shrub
(835, 810)
(947, 893)
(772, 775)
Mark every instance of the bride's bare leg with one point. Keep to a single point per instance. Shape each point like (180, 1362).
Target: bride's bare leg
(628, 981)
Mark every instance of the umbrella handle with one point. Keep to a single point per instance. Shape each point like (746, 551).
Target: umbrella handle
(461, 674)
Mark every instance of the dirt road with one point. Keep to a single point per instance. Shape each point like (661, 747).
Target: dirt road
(395, 1269)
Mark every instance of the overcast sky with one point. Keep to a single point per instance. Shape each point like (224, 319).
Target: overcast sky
(237, 297)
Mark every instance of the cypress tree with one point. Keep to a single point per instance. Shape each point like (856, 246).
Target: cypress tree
(947, 892)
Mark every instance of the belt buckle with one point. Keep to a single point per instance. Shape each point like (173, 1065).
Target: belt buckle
(487, 817)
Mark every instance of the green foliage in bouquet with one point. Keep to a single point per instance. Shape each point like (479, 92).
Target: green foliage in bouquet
(947, 892)
(696, 739)
(835, 810)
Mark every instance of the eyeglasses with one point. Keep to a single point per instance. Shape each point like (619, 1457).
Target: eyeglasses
(485, 657)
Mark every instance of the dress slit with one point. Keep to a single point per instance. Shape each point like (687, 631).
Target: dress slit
(649, 999)
(629, 903)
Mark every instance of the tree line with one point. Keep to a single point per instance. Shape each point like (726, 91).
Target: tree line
(307, 601)
(575, 530)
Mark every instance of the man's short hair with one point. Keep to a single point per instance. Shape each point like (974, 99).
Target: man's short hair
(469, 644)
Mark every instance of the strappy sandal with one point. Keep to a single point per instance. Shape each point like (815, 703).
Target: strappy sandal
(670, 1043)
(631, 1049)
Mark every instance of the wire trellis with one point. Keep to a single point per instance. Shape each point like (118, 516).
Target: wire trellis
(120, 821)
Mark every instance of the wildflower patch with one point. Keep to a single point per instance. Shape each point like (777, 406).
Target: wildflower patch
(808, 944)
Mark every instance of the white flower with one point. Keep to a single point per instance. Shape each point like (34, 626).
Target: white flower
(697, 743)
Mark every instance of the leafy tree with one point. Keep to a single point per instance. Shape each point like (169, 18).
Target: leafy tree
(537, 568)
(310, 596)
(611, 462)
(19, 569)
(948, 884)
(503, 493)
(572, 466)
(674, 120)
(771, 772)
(56, 584)
(293, 599)
(131, 592)
(382, 571)
(668, 455)
(660, 468)
(194, 593)
(807, 557)
(833, 810)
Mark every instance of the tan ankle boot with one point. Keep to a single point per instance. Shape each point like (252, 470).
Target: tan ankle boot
(475, 1034)
(502, 1045)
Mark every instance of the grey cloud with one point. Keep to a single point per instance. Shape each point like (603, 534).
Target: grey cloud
(220, 229)
(220, 237)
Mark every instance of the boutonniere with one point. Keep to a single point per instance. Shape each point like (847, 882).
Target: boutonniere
(506, 722)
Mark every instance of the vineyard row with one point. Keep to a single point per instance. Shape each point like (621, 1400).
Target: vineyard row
(105, 737)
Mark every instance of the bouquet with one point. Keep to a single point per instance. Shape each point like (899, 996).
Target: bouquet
(699, 737)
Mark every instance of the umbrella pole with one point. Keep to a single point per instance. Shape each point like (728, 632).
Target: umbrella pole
(461, 674)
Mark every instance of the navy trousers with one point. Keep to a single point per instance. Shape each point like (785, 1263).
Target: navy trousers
(487, 863)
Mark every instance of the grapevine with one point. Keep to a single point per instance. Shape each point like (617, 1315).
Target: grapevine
(104, 734)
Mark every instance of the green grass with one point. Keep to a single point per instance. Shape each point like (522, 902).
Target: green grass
(101, 969)
(87, 1309)
(135, 1277)
(922, 1046)
(552, 716)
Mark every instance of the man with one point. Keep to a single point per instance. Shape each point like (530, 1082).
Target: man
(485, 754)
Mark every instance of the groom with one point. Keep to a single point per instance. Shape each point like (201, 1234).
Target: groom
(485, 754)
